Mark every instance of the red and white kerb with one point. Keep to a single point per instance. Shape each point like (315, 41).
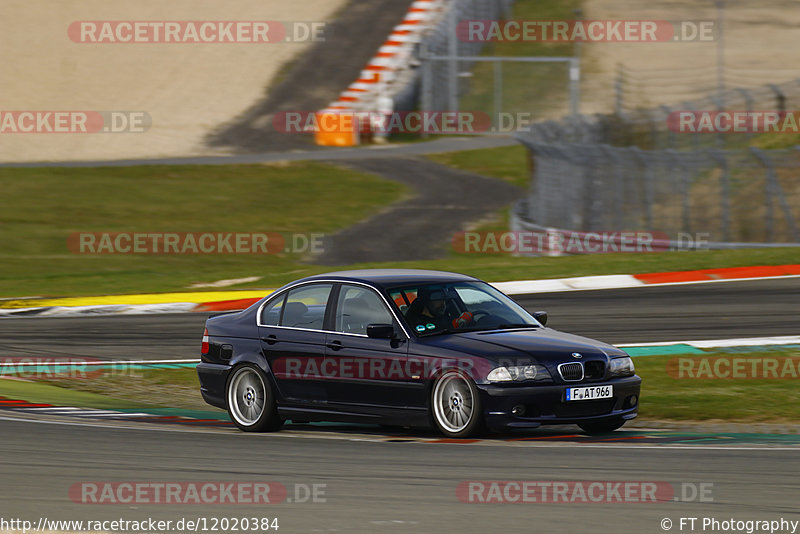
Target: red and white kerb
(392, 55)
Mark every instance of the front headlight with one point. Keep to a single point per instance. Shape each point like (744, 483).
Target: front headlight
(519, 373)
(621, 367)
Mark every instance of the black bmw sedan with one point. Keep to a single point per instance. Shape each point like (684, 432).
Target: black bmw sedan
(410, 348)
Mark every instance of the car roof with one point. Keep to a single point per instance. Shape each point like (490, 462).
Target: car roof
(392, 277)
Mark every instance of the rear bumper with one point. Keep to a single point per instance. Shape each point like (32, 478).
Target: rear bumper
(547, 405)
(213, 378)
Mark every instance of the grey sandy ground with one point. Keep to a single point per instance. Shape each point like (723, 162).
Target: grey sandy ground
(316, 78)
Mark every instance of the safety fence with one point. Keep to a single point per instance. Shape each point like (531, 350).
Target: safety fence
(729, 196)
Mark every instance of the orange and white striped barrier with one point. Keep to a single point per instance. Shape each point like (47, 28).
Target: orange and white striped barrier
(393, 55)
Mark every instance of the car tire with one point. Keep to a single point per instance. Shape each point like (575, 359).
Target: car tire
(456, 407)
(601, 427)
(250, 401)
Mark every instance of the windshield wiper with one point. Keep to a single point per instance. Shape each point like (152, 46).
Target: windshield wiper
(453, 331)
(516, 325)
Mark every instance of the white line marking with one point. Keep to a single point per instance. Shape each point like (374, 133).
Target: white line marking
(82, 412)
(54, 408)
(554, 285)
(109, 414)
(712, 343)
(582, 283)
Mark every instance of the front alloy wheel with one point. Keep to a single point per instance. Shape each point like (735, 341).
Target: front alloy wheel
(251, 404)
(456, 405)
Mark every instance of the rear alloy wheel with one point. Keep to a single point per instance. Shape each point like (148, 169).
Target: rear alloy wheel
(251, 404)
(601, 427)
(456, 405)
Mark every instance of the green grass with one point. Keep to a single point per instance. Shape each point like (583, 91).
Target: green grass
(736, 400)
(508, 163)
(772, 141)
(43, 206)
(120, 388)
(162, 388)
(63, 395)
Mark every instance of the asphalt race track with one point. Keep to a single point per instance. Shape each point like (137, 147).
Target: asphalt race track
(407, 482)
(720, 310)
(385, 487)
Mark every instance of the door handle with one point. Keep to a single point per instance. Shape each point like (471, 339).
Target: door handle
(335, 345)
(270, 339)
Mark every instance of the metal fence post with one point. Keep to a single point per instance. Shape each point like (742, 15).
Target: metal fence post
(670, 133)
(618, 96)
(748, 105)
(452, 51)
(619, 185)
(677, 163)
(780, 98)
(427, 83)
(774, 189)
(721, 157)
(574, 85)
(647, 187)
(498, 92)
(769, 217)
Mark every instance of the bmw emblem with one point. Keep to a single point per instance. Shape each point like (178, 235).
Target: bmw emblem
(577, 355)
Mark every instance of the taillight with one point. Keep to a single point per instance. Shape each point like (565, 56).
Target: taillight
(204, 346)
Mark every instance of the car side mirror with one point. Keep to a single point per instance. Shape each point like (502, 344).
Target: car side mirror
(540, 316)
(380, 331)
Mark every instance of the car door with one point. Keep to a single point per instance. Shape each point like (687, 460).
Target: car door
(366, 372)
(291, 328)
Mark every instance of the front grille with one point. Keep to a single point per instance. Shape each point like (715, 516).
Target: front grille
(595, 369)
(571, 372)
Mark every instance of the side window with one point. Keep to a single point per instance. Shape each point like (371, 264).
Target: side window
(358, 307)
(271, 313)
(305, 306)
(403, 298)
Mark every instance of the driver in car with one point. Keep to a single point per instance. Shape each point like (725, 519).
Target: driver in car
(430, 308)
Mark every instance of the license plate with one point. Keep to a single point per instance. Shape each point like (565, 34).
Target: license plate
(590, 393)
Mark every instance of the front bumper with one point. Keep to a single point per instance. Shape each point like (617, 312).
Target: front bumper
(546, 404)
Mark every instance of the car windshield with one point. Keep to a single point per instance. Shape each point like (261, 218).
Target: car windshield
(431, 309)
